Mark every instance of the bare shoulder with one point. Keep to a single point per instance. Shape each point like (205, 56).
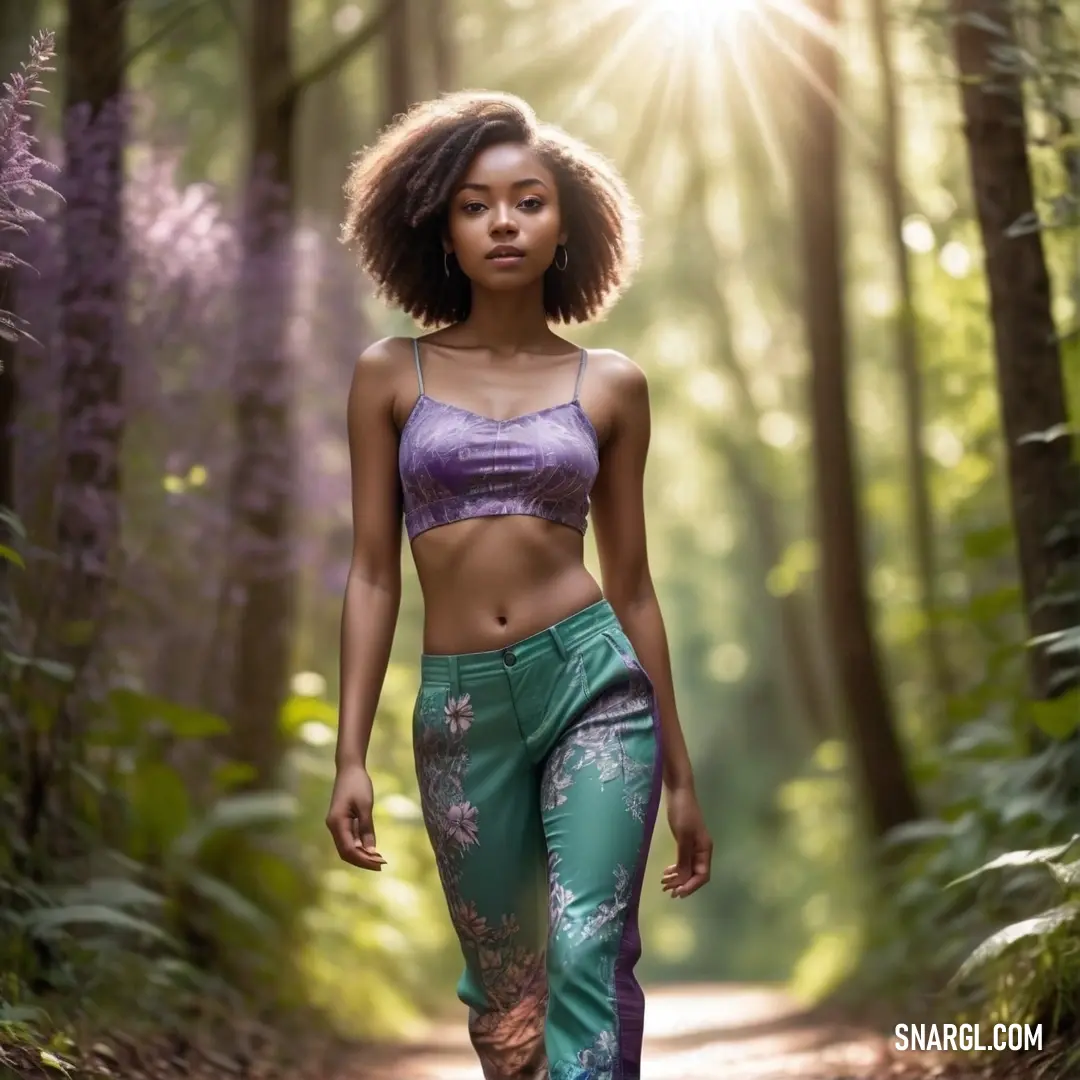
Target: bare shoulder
(621, 389)
(385, 359)
(383, 371)
(617, 372)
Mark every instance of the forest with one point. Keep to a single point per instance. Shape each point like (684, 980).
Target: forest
(859, 313)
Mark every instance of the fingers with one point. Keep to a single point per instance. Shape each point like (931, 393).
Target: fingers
(365, 830)
(685, 877)
(671, 879)
(350, 841)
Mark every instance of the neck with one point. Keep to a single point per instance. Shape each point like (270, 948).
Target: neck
(508, 322)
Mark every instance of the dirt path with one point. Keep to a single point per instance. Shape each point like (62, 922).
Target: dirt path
(721, 1032)
(704, 1033)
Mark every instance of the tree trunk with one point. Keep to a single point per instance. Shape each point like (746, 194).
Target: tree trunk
(1043, 485)
(748, 457)
(92, 307)
(262, 488)
(907, 347)
(398, 74)
(441, 23)
(878, 759)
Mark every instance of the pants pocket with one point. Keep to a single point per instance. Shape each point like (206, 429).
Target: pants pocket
(566, 693)
(627, 656)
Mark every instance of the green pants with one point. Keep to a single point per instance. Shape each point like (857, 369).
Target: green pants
(539, 773)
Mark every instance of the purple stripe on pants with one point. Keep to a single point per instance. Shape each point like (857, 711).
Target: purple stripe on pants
(629, 997)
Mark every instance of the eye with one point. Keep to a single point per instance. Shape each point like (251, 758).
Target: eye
(532, 202)
(472, 207)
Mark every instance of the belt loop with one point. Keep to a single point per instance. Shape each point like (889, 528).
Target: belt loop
(560, 645)
(455, 685)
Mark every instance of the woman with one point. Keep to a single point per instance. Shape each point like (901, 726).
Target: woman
(539, 737)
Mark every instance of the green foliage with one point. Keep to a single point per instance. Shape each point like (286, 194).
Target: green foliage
(984, 906)
(379, 950)
(126, 884)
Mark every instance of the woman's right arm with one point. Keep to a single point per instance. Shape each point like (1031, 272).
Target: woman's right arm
(372, 598)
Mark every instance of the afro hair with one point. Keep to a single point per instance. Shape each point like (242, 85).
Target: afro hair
(398, 192)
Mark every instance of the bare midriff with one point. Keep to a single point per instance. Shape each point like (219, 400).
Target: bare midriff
(489, 582)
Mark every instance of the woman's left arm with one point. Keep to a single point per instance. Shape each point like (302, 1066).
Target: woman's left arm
(618, 512)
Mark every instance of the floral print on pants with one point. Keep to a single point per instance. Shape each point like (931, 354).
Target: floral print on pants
(538, 768)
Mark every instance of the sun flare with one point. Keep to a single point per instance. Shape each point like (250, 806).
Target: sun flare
(697, 16)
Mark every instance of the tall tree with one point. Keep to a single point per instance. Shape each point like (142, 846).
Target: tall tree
(878, 759)
(750, 460)
(907, 348)
(92, 305)
(91, 425)
(398, 75)
(441, 24)
(263, 578)
(1043, 485)
(262, 581)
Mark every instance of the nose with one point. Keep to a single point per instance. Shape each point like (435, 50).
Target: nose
(503, 222)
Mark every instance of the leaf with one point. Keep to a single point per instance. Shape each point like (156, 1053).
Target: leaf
(299, 710)
(987, 738)
(992, 605)
(50, 1060)
(89, 778)
(111, 892)
(1048, 435)
(918, 832)
(53, 668)
(246, 810)
(1038, 805)
(1069, 641)
(1018, 858)
(1024, 225)
(978, 21)
(997, 943)
(59, 918)
(233, 774)
(135, 711)
(1067, 874)
(1055, 636)
(161, 807)
(12, 556)
(987, 543)
(1059, 717)
(12, 521)
(230, 901)
(1063, 678)
(22, 1014)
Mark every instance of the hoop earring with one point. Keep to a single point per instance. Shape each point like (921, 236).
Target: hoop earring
(566, 257)
(446, 263)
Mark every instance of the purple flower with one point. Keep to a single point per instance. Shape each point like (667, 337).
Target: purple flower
(461, 824)
(18, 162)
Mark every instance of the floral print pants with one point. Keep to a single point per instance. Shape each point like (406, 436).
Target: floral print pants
(539, 774)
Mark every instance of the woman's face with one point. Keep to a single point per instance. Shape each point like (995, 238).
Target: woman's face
(504, 221)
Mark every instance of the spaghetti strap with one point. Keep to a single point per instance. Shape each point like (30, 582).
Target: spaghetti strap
(419, 370)
(580, 375)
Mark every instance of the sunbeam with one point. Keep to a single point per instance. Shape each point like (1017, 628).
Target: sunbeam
(697, 16)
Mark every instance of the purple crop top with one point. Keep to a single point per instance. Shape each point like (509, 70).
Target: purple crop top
(456, 464)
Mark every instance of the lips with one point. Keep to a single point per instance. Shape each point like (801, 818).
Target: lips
(504, 251)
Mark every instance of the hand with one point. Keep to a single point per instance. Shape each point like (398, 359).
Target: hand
(693, 843)
(349, 818)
